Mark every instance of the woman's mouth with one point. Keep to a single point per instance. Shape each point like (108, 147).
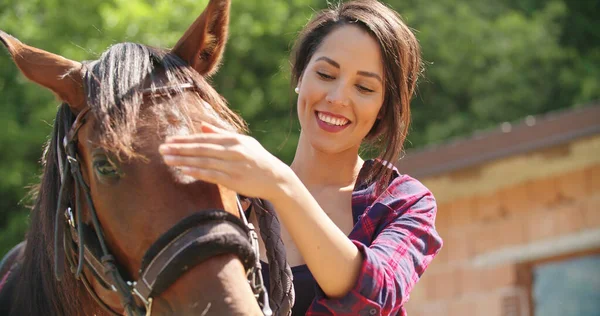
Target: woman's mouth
(330, 122)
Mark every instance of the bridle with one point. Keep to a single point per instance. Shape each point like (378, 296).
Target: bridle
(190, 242)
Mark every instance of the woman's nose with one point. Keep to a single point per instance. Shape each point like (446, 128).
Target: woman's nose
(337, 95)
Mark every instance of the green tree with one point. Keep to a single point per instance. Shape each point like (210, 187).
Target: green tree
(489, 62)
(26, 111)
(485, 62)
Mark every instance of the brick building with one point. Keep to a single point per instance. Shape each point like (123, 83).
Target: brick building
(519, 211)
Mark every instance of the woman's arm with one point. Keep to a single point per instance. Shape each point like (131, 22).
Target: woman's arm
(385, 268)
(240, 163)
(398, 241)
(332, 258)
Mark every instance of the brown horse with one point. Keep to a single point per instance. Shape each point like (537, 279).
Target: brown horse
(109, 212)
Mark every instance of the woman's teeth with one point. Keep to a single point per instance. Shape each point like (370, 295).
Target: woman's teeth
(332, 120)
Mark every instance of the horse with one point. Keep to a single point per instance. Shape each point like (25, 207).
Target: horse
(113, 229)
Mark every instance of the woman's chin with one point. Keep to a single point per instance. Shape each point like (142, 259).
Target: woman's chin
(330, 146)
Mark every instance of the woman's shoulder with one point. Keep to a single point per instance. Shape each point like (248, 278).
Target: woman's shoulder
(402, 189)
(394, 207)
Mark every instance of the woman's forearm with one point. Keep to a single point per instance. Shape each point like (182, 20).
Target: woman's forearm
(332, 258)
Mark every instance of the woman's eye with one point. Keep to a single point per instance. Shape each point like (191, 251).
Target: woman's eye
(105, 168)
(324, 76)
(364, 89)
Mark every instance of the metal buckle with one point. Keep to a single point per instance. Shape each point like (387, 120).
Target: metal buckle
(147, 303)
(138, 294)
(69, 216)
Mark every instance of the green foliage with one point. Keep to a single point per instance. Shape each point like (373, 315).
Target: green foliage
(26, 111)
(486, 62)
(13, 232)
(488, 66)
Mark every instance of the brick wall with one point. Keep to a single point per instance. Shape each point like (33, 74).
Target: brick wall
(477, 271)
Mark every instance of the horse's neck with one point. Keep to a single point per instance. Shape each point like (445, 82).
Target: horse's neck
(35, 290)
(217, 286)
(9, 269)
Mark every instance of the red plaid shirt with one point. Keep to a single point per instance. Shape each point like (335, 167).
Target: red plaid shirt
(395, 231)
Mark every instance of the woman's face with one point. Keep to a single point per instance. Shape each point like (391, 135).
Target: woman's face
(341, 90)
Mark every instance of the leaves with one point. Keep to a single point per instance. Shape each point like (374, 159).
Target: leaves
(486, 62)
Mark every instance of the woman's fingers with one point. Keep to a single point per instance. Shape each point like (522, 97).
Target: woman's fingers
(231, 152)
(207, 175)
(203, 138)
(197, 162)
(209, 133)
(209, 128)
(193, 149)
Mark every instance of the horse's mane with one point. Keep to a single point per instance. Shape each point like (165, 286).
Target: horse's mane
(37, 292)
(113, 84)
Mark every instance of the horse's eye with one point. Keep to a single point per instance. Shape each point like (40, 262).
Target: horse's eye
(105, 168)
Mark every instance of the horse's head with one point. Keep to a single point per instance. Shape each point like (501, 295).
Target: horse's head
(117, 111)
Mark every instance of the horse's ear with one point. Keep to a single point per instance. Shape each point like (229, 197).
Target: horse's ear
(62, 76)
(203, 43)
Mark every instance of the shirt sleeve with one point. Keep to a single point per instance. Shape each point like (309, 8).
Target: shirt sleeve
(403, 223)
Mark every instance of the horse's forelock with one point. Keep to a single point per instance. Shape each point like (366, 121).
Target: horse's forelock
(114, 85)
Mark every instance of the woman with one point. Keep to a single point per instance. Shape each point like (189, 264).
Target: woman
(364, 232)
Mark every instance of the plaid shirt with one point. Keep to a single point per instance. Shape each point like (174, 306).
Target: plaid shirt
(395, 232)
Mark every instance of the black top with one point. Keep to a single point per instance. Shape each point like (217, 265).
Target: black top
(304, 287)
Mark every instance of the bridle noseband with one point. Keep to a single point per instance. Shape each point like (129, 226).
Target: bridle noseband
(193, 240)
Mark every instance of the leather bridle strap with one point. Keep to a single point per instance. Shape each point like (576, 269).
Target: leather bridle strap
(109, 264)
(192, 241)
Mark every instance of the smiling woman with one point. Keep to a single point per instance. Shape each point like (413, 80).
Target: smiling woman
(358, 234)
(341, 91)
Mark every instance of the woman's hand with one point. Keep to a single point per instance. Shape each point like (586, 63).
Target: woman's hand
(241, 164)
(238, 162)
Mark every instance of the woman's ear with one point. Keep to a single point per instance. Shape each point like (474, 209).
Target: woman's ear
(298, 84)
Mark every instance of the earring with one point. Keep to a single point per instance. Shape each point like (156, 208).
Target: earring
(297, 90)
